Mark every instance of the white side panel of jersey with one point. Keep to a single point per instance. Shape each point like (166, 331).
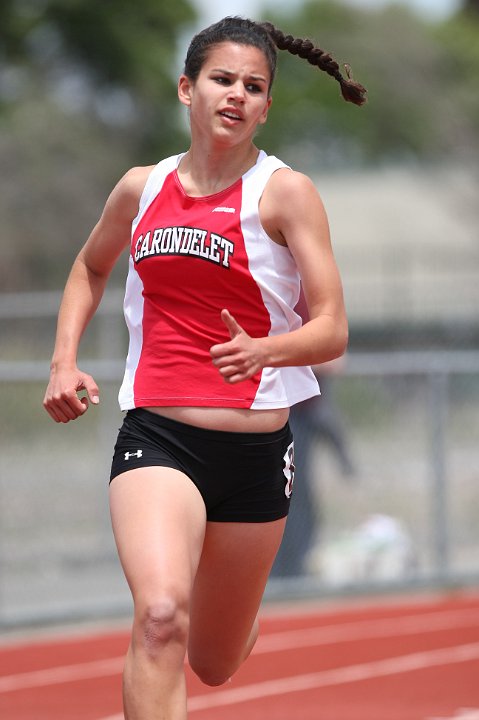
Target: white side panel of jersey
(133, 303)
(133, 310)
(154, 184)
(274, 270)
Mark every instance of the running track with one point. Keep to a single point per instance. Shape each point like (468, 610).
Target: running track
(415, 659)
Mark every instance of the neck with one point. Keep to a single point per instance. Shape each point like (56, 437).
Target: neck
(207, 170)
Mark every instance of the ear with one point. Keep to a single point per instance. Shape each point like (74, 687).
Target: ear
(185, 87)
(264, 115)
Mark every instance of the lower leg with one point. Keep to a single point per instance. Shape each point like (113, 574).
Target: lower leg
(153, 679)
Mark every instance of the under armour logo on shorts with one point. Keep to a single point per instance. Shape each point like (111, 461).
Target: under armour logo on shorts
(137, 454)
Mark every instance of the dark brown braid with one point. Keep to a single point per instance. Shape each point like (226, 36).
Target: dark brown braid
(351, 91)
(267, 38)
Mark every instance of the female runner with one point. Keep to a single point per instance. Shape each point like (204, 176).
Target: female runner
(202, 473)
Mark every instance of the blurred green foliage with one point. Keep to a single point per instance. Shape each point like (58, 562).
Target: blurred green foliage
(419, 76)
(117, 57)
(87, 89)
(459, 38)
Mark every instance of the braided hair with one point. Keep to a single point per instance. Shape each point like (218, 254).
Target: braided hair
(267, 38)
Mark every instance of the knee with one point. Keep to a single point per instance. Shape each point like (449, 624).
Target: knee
(159, 623)
(212, 675)
(216, 666)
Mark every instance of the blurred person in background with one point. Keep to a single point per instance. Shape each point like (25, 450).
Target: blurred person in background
(203, 467)
(311, 421)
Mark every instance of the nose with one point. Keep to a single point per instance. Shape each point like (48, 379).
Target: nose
(237, 91)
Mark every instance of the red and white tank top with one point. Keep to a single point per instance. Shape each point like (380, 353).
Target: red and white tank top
(190, 258)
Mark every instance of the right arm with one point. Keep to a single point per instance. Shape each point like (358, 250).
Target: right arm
(83, 292)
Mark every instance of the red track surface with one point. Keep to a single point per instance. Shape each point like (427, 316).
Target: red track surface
(416, 660)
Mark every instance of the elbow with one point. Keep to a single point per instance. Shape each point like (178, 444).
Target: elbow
(341, 345)
(88, 268)
(331, 340)
(334, 349)
(344, 340)
(339, 341)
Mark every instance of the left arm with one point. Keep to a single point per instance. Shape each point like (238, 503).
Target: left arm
(292, 214)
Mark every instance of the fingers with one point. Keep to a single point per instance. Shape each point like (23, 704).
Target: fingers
(61, 400)
(233, 358)
(232, 376)
(64, 407)
(234, 328)
(231, 365)
(93, 392)
(239, 358)
(224, 354)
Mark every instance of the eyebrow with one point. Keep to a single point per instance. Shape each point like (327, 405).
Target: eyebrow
(230, 72)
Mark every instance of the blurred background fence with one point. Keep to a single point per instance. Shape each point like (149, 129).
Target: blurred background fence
(404, 515)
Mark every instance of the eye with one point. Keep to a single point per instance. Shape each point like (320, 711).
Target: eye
(222, 80)
(253, 88)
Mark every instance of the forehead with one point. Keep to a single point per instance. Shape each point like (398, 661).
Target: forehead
(235, 56)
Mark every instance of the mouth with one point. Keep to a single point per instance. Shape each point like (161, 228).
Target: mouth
(230, 115)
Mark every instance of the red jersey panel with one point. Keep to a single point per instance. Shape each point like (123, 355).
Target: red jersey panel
(190, 258)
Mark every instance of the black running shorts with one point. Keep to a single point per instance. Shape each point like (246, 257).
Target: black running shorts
(242, 477)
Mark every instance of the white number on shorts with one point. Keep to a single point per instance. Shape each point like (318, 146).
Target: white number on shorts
(289, 470)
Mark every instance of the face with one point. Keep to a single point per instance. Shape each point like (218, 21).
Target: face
(230, 97)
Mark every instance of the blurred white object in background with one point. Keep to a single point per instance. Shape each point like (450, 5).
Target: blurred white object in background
(380, 548)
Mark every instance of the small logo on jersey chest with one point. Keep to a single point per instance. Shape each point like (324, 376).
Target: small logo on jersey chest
(224, 209)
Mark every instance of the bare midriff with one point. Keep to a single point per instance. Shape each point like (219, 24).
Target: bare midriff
(227, 419)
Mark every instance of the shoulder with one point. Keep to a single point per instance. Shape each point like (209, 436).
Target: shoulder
(291, 201)
(122, 205)
(287, 185)
(126, 194)
(136, 176)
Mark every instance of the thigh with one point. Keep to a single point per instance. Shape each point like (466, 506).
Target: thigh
(159, 521)
(230, 582)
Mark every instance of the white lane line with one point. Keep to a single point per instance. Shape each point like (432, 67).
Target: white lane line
(330, 678)
(268, 643)
(338, 676)
(461, 714)
(62, 674)
(365, 629)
